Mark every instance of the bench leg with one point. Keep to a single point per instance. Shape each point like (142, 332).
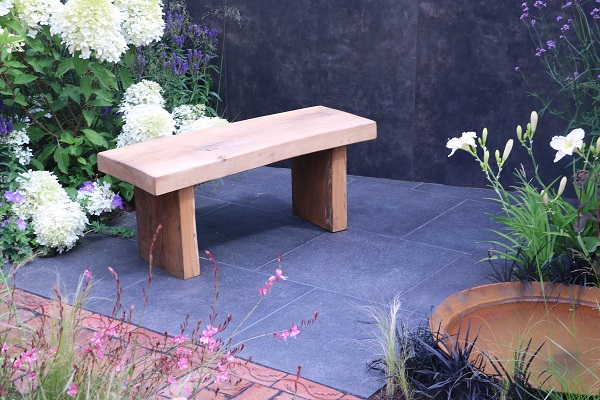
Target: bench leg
(176, 248)
(319, 188)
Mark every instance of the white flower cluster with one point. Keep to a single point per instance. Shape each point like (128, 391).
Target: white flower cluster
(144, 115)
(5, 7)
(203, 123)
(17, 142)
(145, 122)
(193, 117)
(144, 92)
(57, 220)
(142, 20)
(96, 198)
(35, 13)
(90, 25)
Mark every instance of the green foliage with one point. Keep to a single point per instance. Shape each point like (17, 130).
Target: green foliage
(182, 62)
(539, 226)
(66, 100)
(99, 227)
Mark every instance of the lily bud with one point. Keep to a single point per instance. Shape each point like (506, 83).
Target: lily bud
(484, 136)
(498, 159)
(528, 133)
(597, 151)
(507, 149)
(561, 186)
(520, 133)
(534, 121)
(486, 157)
(544, 198)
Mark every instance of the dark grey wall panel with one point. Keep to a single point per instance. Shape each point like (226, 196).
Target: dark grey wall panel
(424, 70)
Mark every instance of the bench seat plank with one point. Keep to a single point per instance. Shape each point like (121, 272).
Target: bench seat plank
(184, 160)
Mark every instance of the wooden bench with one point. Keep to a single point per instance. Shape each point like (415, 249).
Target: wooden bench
(164, 172)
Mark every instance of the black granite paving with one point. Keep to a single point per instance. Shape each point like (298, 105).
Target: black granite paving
(422, 241)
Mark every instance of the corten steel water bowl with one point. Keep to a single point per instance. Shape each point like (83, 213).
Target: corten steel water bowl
(505, 316)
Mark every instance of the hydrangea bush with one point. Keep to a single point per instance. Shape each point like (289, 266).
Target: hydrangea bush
(64, 69)
(67, 92)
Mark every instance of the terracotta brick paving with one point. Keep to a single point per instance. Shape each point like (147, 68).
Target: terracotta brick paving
(248, 381)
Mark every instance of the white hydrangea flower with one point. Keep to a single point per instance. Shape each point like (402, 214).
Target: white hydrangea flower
(91, 26)
(58, 224)
(186, 114)
(17, 142)
(5, 7)
(144, 92)
(38, 188)
(96, 198)
(34, 13)
(142, 20)
(202, 123)
(145, 122)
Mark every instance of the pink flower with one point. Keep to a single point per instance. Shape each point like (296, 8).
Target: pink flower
(88, 274)
(4, 348)
(119, 365)
(207, 337)
(179, 398)
(278, 273)
(72, 390)
(283, 335)
(98, 339)
(222, 377)
(292, 332)
(178, 339)
(18, 363)
(209, 331)
(171, 380)
(32, 376)
(29, 356)
(182, 363)
(100, 352)
(182, 352)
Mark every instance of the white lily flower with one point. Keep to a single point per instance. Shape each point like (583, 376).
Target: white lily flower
(467, 139)
(565, 145)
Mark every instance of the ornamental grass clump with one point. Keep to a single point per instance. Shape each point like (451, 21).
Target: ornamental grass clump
(57, 356)
(539, 224)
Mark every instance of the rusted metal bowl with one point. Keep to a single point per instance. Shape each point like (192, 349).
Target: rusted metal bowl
(563, 319)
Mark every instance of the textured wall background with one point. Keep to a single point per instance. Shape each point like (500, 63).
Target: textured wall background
(425, 70)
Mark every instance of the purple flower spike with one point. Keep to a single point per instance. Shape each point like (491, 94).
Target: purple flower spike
(117, 201)
(13, 197)
(87, 187)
